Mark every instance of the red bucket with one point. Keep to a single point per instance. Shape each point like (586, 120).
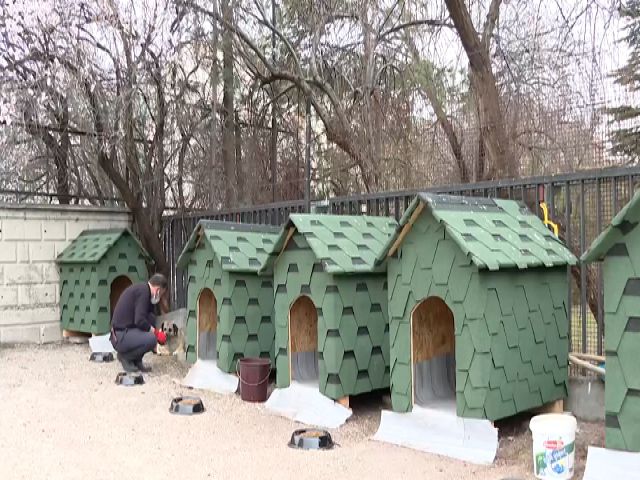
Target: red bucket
(254, 378)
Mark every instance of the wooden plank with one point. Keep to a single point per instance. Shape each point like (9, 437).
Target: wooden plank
(303, 325)
(75, 337)
(588, 356)
(586, 365)
(432, 330)
(292, 230)
(74, 334)
(432, 333)
(207, 324)
(556, 406)
(344, 401)
(207, 311)
(406, 229)
(200, 236)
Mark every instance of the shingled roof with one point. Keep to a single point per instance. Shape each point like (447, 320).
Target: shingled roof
(625, 221)
(494, 233)
(91, 245)
(344, 244)
(239, 247)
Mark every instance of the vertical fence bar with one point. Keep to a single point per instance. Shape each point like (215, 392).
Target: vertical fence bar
(567, 219)
(599, 294)
(583, 273)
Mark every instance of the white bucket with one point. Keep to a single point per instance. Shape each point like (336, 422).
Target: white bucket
(554, 437)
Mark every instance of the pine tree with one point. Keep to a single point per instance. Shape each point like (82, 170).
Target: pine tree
(626, 139)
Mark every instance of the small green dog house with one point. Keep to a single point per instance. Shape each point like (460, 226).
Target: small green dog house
(480, 284)
(619, 247)
(229, 306)
(94, 271)
(331, 303)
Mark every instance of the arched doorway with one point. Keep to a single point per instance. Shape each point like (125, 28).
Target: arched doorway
(303, 340)
(118, 286)
(207, 325)
(432, 352)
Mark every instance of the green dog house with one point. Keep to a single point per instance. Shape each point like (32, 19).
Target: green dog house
(477, 304)
(229, 306)
(94, 271)
(331, 303)
(619, 247)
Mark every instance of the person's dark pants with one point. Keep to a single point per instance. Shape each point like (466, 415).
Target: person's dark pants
(133, 343)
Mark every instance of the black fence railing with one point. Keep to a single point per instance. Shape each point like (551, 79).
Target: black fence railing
(582, 204)
(178, 228)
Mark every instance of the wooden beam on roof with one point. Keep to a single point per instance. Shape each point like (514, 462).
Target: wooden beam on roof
(406, 229)
(200, 234)
(290, 233)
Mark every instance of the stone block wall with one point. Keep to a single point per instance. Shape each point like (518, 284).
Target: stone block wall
(31, 236)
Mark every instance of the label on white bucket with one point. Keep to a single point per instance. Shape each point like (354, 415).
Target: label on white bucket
(554, 459)
(553, 446)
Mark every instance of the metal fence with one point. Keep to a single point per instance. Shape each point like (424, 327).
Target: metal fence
(582, 204)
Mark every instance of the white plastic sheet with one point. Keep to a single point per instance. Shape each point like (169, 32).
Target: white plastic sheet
(603, 463)
(206, 375)
(437, 429)
(304, 367)
(303, 402)
(101, 344)
(435, 379)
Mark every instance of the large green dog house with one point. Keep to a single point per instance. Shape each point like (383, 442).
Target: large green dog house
(481, 286)
(229, 306)
(331, 303)
(619, 247)
(94, 271)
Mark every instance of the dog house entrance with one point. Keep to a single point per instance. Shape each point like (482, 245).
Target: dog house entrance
(118, 286)
(433, 353)
(207, 325)
(303, 340)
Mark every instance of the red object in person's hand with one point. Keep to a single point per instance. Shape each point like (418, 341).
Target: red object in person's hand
(161, 336)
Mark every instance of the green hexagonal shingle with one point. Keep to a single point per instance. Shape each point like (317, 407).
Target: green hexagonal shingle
(629, 419)
(480, 370)
(464, 349)
(617, 386)
(479, 335)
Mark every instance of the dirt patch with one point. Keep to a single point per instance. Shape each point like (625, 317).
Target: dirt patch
(66, 417)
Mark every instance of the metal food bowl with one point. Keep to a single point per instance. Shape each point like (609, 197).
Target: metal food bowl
(311, 439)
(186, 406)
(129, 379)
(101, 357)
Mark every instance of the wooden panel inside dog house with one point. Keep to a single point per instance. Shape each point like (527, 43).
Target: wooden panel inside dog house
(303, 326)
(432, 330)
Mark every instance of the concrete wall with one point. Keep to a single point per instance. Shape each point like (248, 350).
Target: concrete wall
(586, 398)
(31, 236)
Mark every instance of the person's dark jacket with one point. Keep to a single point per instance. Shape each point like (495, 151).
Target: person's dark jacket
(134, 309)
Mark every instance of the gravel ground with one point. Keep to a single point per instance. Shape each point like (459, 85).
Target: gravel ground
(63, 417)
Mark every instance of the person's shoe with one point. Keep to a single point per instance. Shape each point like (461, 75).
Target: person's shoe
(127, 365)
(142, 367)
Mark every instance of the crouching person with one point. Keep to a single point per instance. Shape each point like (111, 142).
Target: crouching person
(133, 324)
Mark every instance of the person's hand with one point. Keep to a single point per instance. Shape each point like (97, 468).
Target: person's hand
(161, 336)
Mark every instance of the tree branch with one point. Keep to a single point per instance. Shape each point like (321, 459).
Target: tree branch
(415, 23)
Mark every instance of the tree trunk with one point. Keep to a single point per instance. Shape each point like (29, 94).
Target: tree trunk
(240, 170)
(484, 85)
(228, 130)
(213, 138)
(61, 157)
